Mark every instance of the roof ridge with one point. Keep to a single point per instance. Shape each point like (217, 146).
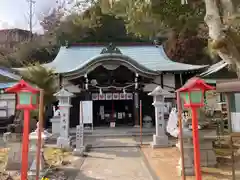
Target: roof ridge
(114, 43)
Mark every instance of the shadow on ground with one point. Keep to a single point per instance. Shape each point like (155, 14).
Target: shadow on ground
(69, 174)
(118, 152)
(119, 147)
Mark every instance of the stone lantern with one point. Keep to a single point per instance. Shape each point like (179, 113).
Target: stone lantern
(160, 139)
(64, 98)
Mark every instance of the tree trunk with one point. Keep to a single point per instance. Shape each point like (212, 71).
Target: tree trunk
(218, 32)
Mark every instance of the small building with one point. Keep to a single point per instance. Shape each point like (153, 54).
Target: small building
(9, 38)
(7, 101)
(231, 90)
(116, 77)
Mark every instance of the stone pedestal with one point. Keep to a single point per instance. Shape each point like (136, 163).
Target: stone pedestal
(63, 142)
(160, 141)
(33, 137)
(33, 169)
(188, 158)
(9, 137)
(208, 156)
(55, 125)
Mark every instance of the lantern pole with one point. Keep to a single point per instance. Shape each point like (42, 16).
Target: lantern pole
(197, 162)
(181, 134)
(25, 145)
(40, 130)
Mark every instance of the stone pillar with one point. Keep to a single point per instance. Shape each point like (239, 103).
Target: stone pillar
(79, 140)
(64, 140)
(136, 110)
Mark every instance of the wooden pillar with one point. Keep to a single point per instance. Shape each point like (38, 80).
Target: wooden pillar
(87, 92)
(162, 82)
(178, 81)
(60, 80)
(136, 108)
(87, 96)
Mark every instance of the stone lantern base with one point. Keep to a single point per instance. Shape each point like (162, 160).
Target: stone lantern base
(79, 151)
(56, 125)
(208, 156)
(33, 169)
(33, 140)
(160, 141)
(63, 142)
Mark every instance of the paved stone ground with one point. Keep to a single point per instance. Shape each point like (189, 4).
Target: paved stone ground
(114, 163)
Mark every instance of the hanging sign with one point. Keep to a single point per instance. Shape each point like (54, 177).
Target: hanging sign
(123, 96)
(115, 96)
(94, 96)
(129, 96)
(101, 97)
(109, 96)
(112, 96)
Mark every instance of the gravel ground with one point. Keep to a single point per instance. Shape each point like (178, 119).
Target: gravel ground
(164, 161)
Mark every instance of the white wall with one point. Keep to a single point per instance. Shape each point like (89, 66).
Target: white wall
(7, 105)
(235, 116)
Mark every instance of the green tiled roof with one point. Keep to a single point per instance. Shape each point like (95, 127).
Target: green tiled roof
(146, 57)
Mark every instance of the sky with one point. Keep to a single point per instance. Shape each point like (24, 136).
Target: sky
(14, 13)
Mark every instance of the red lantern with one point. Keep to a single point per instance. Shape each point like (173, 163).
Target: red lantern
(192, 94)
(27, 96)
(27, 99)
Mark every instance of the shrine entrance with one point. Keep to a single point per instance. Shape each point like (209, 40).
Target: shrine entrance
(112, 90)
(120, 112)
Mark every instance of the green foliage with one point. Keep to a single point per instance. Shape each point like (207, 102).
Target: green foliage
(43, 78)
(165, 19)
(93, 26)
(149, 17)
(35, 51)
(116, 21)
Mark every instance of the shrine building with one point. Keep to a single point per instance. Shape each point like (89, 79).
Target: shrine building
(116, 78)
